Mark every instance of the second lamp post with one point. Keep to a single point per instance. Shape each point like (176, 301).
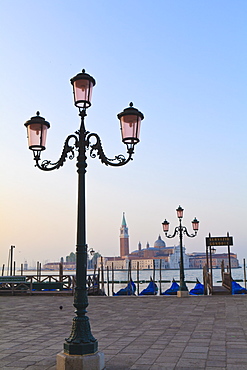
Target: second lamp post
(180, 230)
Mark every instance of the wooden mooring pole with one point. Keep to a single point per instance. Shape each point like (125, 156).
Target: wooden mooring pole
(244, 274)
(153, 270)
(160, 276)
(102, 275)
(108, 286)
(112, 278)
(138, 280)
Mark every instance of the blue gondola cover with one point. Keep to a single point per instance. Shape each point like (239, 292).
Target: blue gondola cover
(173, 289)
(128, 290)
(237, 288)
(198, 289)
(151, 289)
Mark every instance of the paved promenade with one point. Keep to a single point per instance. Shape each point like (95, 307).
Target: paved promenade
(133, 332)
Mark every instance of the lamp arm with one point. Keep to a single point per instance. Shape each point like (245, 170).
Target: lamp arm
(47, 165)
(119, 160)
(185, 231)
(174, 234)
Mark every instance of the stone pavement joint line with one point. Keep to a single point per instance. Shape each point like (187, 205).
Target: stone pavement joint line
(208, 332)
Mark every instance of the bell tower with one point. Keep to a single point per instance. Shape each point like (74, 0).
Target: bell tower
(124, 238)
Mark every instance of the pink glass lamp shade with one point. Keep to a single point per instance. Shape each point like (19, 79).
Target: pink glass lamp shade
(195, 224)
(83, 85)
(130, 124)
(36, 132)
(180, 212)
(165, 226)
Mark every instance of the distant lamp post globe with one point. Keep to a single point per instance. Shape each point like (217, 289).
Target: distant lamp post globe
(195, 224)
(165, 226)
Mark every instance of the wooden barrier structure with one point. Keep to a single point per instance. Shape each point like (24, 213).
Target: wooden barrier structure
(45, 284)
(226, 287)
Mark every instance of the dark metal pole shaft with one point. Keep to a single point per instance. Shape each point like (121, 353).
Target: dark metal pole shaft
(183, 286)
(81, 340)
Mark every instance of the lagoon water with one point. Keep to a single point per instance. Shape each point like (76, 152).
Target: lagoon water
(122, 276)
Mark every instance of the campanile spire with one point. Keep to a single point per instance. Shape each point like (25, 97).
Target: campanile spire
(124, 238)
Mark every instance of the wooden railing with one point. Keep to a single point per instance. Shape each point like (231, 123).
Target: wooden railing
(42, 283)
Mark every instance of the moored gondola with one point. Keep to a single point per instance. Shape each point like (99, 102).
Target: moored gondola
(238, 289)
(128, 290)
(198, 289)
(173, 289)
(151, 289)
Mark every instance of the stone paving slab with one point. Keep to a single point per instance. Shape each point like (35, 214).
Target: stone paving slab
(154, 333)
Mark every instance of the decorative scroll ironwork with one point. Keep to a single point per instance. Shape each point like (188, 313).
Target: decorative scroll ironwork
(47, 165)
(181, 229)
(96, 149)
(120, 159)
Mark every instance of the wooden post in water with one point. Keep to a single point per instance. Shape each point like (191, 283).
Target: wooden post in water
(229, 259)
(153, 270)
(3, 270)
(138, 280)
(211, 268)
(60, 272)
(21, 269)
(14, 269)
(160, 276)
(102, 275)
(244, 274)
(112, 278)
(129, 271)
(95, 281)
(98, 278)
(108, 287)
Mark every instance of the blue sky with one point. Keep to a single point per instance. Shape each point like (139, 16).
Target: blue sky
(182, 63)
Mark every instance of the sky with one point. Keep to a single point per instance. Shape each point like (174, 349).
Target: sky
(182, 63)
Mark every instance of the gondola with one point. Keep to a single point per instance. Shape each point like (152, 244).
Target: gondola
(173, 289)
(151, 289)
(237, 288)
(128, 290)
(198, 288)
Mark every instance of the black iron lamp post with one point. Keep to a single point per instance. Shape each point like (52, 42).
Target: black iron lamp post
(81, 340)
(180, 230)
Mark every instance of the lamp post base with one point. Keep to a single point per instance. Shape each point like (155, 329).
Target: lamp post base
(182, 293)
(95, 361)
(80, 349)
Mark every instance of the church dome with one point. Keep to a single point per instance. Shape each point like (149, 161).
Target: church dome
(159, 243)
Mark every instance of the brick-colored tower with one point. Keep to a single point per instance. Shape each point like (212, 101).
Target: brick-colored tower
(124, 239)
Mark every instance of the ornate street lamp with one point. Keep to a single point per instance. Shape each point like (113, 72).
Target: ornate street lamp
(81, 341)
(180, 230)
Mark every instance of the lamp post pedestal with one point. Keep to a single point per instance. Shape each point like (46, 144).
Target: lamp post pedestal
(182, 293)
(94, 361)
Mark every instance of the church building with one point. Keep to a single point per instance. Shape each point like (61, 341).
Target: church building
(169, 257)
